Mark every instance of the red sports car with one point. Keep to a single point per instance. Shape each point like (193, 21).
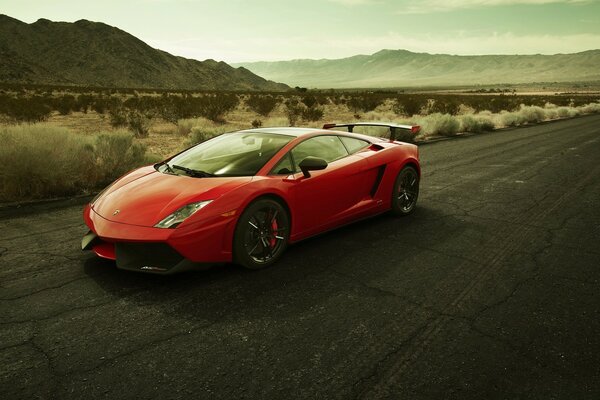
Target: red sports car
(242, 197)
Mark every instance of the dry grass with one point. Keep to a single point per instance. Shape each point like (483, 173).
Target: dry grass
(80, 152)
(166, 138)
(41, 161)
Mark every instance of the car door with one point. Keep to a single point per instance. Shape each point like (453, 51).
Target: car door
(324, 197)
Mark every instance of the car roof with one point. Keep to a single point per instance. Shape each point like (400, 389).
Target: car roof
(290, 131)
(300, 132)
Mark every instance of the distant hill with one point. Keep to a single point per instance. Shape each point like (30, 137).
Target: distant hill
(95, 54)
(402, 68)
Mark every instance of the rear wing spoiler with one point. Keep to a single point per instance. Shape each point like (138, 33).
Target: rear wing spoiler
(394, 128)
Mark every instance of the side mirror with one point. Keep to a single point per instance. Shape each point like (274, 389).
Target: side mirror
(312, 164)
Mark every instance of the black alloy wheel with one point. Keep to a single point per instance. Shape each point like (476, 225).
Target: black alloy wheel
(406, 191)
(261, 234)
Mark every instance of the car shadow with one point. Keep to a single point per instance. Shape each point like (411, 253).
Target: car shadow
(306, 276)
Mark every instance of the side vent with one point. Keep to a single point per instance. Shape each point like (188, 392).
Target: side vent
(375, 147)
(380, 172)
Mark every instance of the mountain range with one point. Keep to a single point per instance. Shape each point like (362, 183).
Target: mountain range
(86, 53)
(402, 68)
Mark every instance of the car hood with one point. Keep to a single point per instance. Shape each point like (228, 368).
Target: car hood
(145, 196)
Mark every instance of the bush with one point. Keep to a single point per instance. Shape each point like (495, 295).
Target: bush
(551, 113)
(440, 124)
(312, 114)
(202, 134)
(475, 123)
(511, 118)
(262, 105)
(293, 111)
(365, 103)
(214, 107)
(66, 104)
(116, 153)
(532, 113)
(565, 112)
(309, 100)
(118, 117)
(52, 162)
(409, 106)
(32, 109)
(139, 123)
(43, 162)
(257, 123)
(184, 126)
(591, 108)
(445, 105)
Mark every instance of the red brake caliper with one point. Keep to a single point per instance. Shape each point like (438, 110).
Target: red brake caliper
(274, 231)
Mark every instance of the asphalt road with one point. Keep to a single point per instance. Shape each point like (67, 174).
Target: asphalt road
(490, 290)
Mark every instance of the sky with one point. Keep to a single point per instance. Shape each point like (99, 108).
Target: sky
(257, 30)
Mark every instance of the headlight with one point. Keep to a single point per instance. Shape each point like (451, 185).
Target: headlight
(181, 215)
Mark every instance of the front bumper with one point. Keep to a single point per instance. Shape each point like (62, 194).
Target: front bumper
(156, 250)
(158, 258)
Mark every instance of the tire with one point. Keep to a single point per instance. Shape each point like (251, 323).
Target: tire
(406, 191)
(261, 235)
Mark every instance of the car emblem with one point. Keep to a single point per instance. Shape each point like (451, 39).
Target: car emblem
(116, 212)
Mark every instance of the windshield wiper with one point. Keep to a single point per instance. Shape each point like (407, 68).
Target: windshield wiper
(167, 167)
(193, 172)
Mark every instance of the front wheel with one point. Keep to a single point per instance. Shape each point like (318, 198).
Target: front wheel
(406, 191)
(261, 234)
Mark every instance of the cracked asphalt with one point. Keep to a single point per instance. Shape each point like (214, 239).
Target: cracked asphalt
(490, 290)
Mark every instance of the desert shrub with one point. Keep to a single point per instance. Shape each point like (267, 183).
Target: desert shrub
(23, 109)
(465, 109)
(293, 111)
(262, 105)
(365, 103)
(309, 100)
(214, 107)
(565, 112)
(512, 118)
(116, 153)
(139, 123)
(53, 162)
(201, 134)
(312, 113)
(84, 102)
(98, 106)
(170, 109)
(475, 123)
(337, 99)
(257, 123)
(409, 105)
(184, 126)
(440, 124)
(445, 105)
(494, 104)
(551, 113)
(591, 108)
(117, 117)
(43, 162)
(65, 104)
(532, 114)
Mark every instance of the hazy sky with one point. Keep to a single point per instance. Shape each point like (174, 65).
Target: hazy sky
(250, 30)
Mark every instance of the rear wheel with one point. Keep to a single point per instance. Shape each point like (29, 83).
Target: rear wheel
(261, 234)
(406, 191)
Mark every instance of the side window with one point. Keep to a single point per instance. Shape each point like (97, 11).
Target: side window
(329, 148)
(284, 166)
(353, 145)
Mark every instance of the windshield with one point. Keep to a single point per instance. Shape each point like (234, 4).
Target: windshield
(231, 154)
